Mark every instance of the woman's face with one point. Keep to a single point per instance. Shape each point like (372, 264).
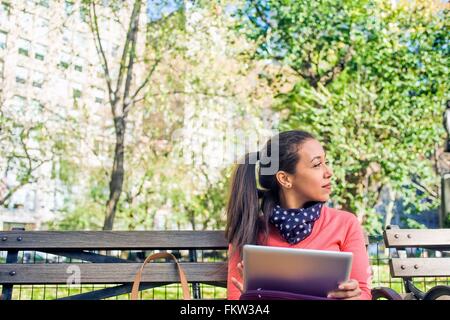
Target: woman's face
(312, 179)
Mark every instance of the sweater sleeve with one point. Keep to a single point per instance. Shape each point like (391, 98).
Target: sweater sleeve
(361, 270)
(233, 293)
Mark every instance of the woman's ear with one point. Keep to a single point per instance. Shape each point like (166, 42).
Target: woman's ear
(284, 179)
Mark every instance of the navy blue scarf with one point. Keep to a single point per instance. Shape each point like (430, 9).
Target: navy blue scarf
(296, 224)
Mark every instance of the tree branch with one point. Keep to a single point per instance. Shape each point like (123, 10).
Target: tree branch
(135, 28)
(425, 189)
(99, 47)
(332, 73)
(132, 100)
(125, 52)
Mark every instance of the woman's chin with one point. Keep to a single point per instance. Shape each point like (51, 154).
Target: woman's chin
(325, 197)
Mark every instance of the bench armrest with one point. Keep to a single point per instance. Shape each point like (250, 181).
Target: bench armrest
(384, 292)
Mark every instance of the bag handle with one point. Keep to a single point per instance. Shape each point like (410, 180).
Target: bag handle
(183, 280)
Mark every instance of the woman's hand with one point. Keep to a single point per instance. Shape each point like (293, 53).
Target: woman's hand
(347, 291)
(236, 283)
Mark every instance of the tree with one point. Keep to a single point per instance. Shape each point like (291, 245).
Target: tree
(313, 38)
(125, 85)
(371, 88)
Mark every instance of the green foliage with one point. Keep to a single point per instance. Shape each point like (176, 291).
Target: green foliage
(205, 209)
(84, 216)
(379, 115)
(370, 80)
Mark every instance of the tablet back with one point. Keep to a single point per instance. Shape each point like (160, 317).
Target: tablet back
(305, 271)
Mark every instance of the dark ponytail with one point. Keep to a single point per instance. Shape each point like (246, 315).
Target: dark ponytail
(249, 207)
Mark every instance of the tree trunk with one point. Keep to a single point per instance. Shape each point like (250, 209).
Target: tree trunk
(117, 174)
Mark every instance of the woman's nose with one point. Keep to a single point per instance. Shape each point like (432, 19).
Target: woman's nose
(329, 171)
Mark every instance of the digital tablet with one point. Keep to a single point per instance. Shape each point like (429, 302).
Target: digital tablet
(304, 271)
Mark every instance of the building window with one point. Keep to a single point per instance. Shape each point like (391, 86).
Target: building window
(78, 64)
(36, 109)
(115, 50)
(100, 72)
(80, 41)
(44, 3)
(61, 87)
(67, 37)
(84, 13)
(38, 79)
(24, 46)
(30, 200)
(19, 103)
(63, 65)
(5, 11)
(21, 75)
(99, 95)
(40, 51)
(68, 7)
(64, 60)
(3, 40)
(42, 27)
(77, 93)
(26, 20)
(61, 110)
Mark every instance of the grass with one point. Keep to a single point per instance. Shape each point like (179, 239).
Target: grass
(169, 292)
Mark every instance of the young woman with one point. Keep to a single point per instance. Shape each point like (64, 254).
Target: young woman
(286, 208)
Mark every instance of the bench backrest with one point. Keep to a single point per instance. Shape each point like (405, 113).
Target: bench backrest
(408, 267)
(107, 269)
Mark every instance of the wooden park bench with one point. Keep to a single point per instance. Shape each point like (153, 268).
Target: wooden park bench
(96, 247)
(404, 245)
(98, 265)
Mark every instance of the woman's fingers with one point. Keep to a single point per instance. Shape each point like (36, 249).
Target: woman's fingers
(237, 284)
(349, 285)
(346, 290)
(343, 294)
(241, 268)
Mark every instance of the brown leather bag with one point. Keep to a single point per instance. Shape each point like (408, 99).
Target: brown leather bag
(159, 255)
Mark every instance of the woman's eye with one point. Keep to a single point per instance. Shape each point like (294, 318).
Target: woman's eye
(326, 162)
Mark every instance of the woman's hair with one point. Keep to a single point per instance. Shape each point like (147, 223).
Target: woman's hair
(249, 207)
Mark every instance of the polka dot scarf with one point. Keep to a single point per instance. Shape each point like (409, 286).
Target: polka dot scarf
(296, 224)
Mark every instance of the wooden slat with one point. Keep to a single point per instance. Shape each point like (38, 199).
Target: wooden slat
(426, 238)
(420, 267)
(110, 273)
(119, 240)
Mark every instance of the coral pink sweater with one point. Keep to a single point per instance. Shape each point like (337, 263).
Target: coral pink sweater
(335, 230)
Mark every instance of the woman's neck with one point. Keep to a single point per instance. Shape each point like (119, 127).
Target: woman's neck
(291, 201)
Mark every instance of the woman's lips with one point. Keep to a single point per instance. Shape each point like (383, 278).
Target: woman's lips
(327, 186)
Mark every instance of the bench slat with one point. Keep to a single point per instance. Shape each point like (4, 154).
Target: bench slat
(113, 240)
(425, 238)
(419, 267)
(110, 273)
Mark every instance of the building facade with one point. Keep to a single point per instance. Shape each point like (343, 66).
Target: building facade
(50, 72)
